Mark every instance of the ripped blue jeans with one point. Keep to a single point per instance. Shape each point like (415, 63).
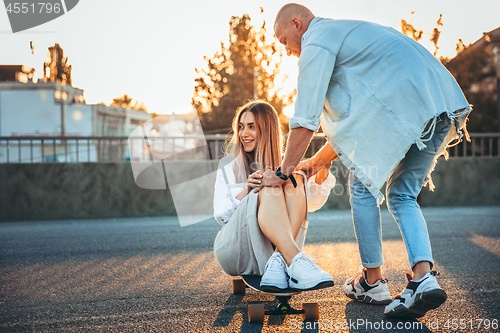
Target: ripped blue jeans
(402, 188)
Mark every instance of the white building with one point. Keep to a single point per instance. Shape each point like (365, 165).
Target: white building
(47, 109)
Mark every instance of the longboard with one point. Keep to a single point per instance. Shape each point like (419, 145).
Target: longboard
(256, 312)
(253, 282)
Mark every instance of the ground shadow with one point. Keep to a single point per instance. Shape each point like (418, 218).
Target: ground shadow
(361, 317)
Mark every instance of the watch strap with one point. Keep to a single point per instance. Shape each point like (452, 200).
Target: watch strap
(281, 175)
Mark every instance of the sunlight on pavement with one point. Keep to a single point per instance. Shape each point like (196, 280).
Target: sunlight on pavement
(490, 244)
(189, 290)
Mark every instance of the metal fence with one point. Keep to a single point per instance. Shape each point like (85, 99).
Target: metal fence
(78, 149)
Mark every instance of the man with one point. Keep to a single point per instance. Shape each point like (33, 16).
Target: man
(388, 109)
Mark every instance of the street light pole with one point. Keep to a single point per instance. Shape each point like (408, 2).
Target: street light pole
(63, 113)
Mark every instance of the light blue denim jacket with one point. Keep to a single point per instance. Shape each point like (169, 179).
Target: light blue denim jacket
(374, 91)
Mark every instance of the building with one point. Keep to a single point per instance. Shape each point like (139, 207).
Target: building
(49, 109)
(477, 69)
(16, 73)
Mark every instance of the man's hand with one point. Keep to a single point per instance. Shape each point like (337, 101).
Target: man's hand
(270, 179)
(312, 166)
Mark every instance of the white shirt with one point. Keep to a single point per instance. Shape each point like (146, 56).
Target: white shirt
(226, 190)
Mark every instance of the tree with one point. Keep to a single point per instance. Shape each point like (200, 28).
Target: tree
(246, 69)
(436, 33)
(126, 102)
(60, 71)
(474, 70)
(409, 30)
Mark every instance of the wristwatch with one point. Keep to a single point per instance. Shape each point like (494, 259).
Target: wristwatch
(281, 175)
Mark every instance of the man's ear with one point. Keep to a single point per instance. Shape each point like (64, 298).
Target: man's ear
(296, 23)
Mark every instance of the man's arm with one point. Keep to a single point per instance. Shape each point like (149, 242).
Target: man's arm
(298, 141)
(316, 66)
(322, 159)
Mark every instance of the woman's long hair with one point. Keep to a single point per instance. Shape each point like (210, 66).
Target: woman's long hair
(269, 148)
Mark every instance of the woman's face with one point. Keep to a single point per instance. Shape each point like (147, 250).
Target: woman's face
(247, 131)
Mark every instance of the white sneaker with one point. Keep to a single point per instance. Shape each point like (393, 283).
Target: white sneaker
(275, 277)
(359, 289)
(306, 275)
(418, 298)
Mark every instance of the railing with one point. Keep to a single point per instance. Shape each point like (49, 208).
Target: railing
(481, 145)
(78, 149)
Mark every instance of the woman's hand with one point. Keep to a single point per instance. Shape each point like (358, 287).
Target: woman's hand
(254, 180)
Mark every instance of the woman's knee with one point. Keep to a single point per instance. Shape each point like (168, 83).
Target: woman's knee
(289, 189)
(270, 193)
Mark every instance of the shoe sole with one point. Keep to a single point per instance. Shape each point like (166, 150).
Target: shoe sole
(423, 302)
(272, 289)
(369, 300)
(321, 285)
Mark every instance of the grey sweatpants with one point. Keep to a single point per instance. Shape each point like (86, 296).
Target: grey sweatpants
(240, 247)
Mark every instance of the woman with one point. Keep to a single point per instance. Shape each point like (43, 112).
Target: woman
(264, 228)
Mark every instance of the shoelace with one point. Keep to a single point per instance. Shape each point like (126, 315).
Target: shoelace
(307, 262)
(276, 264)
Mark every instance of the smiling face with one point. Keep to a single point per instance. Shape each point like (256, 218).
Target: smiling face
(247, 131)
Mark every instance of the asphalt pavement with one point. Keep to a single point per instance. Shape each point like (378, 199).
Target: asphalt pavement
(151, 275)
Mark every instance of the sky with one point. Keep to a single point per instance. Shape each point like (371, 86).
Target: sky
(149, 49)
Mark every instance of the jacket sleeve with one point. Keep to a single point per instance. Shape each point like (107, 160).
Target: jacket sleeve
(224, 202)
(316, 66)
(317, 194)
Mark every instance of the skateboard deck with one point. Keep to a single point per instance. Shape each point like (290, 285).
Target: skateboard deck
(253, 282)
(256, 312)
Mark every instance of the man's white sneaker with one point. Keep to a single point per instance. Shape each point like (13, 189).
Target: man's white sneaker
(417, 298)
(275, 277)
(306, 275)
(359, 289)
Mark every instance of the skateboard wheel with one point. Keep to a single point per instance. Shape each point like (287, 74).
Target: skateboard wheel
(256, 313)
(238, 286)
(311, 311)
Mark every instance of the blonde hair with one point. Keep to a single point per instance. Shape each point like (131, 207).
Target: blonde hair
(269, 148)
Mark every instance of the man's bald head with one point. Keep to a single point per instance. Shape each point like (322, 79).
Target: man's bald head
(291, 23)
(290, 11)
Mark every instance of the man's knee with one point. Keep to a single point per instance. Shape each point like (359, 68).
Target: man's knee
(395, 199)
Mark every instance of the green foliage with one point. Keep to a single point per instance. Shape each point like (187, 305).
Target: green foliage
(246, 69)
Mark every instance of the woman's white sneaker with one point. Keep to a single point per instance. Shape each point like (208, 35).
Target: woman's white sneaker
(275, 277)
(306, 275)
(417, 298)
(359, 289)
